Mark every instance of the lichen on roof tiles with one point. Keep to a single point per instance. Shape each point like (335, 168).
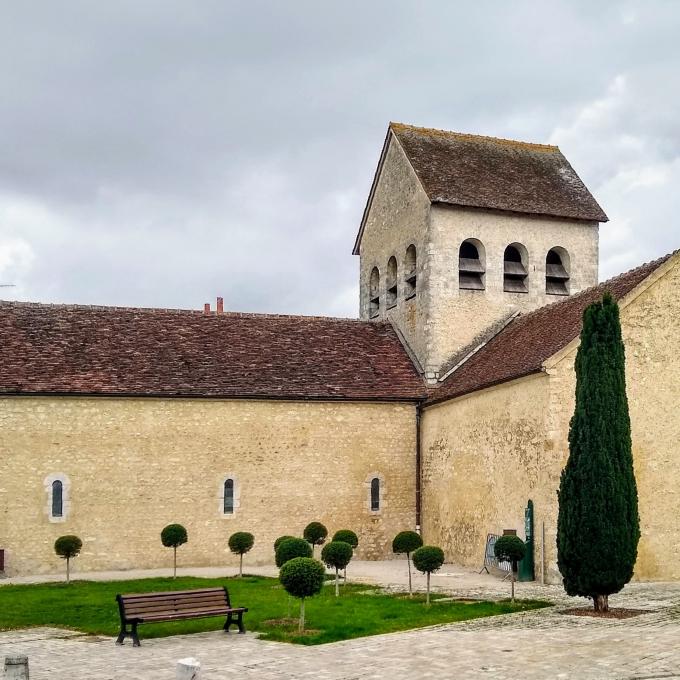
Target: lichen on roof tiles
(497, 174)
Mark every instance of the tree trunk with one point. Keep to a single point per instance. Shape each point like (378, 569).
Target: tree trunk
(289, 603)
(512, 585)
(240, 567)
(174, 562)
(68, 570)
(301, 626)
(337, 583)
(427, 598)
(410, 590)
(601, 603)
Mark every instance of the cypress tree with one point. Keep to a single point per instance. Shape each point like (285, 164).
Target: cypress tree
(598, 526)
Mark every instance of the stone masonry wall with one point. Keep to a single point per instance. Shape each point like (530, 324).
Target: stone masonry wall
(398, 218)
(484, 456)
(457, 317)
(131, 466)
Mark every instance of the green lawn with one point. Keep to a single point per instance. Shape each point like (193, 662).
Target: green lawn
(90, 607)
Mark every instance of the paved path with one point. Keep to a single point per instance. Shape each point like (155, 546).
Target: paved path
(540, 644)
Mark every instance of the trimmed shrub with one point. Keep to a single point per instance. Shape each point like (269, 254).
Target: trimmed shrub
(346, 536)
(173, 536)
(279, 540)
(302, 577)
(315, 533)
(405, 542)
(290, 549)
(240, 543)
(427, 559)
(510, 549)
(337, 555)
(68, 547)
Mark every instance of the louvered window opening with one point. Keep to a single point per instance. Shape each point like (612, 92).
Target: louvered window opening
(410, 277)
(375, 494)
(471, 269)
(556, 275)
(391, 291)
(374, 294)
(57, 499)
(515, 274)
(229, 497)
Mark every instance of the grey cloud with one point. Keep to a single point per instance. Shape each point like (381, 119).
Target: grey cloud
(161, 153)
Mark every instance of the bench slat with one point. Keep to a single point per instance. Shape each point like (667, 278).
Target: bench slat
(156, 604)
(173, 593)
(188, 615)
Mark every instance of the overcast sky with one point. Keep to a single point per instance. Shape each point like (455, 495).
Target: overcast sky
(160, 153)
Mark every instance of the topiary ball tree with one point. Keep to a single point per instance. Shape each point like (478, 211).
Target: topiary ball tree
(428, 559)
(240, 543)
(337, 555)
(302, 577)
(348, 536)
(291, 548)
(598, 526)
(279, 540)
(510, 549)
(173, 536)
(68, 547)
(405, 542)
(315, 534)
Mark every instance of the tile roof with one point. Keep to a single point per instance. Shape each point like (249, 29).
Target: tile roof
(63, 349)
(499, 174)
(523, 346)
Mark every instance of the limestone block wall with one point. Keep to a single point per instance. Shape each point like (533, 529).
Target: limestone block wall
(398, 218)
(131, 466)
(457, 317)
(484, 456)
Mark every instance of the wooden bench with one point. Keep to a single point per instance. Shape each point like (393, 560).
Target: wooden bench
(175, 606)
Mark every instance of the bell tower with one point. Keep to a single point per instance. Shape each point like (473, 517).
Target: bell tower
(461, 233)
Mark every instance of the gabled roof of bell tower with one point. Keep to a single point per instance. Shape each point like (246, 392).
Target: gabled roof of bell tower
(491, 173)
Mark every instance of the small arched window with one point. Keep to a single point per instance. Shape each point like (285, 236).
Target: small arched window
(410, 276)
(374, 294)
(515, 272)
(57, 498)
(228, 508)
(471, 265)
(375, 494)
(391, 283)
(557, 272)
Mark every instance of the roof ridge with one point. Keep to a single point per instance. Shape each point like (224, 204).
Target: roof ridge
(174, 310)
(474, 137)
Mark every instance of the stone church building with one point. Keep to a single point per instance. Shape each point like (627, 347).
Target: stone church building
(444, 408)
